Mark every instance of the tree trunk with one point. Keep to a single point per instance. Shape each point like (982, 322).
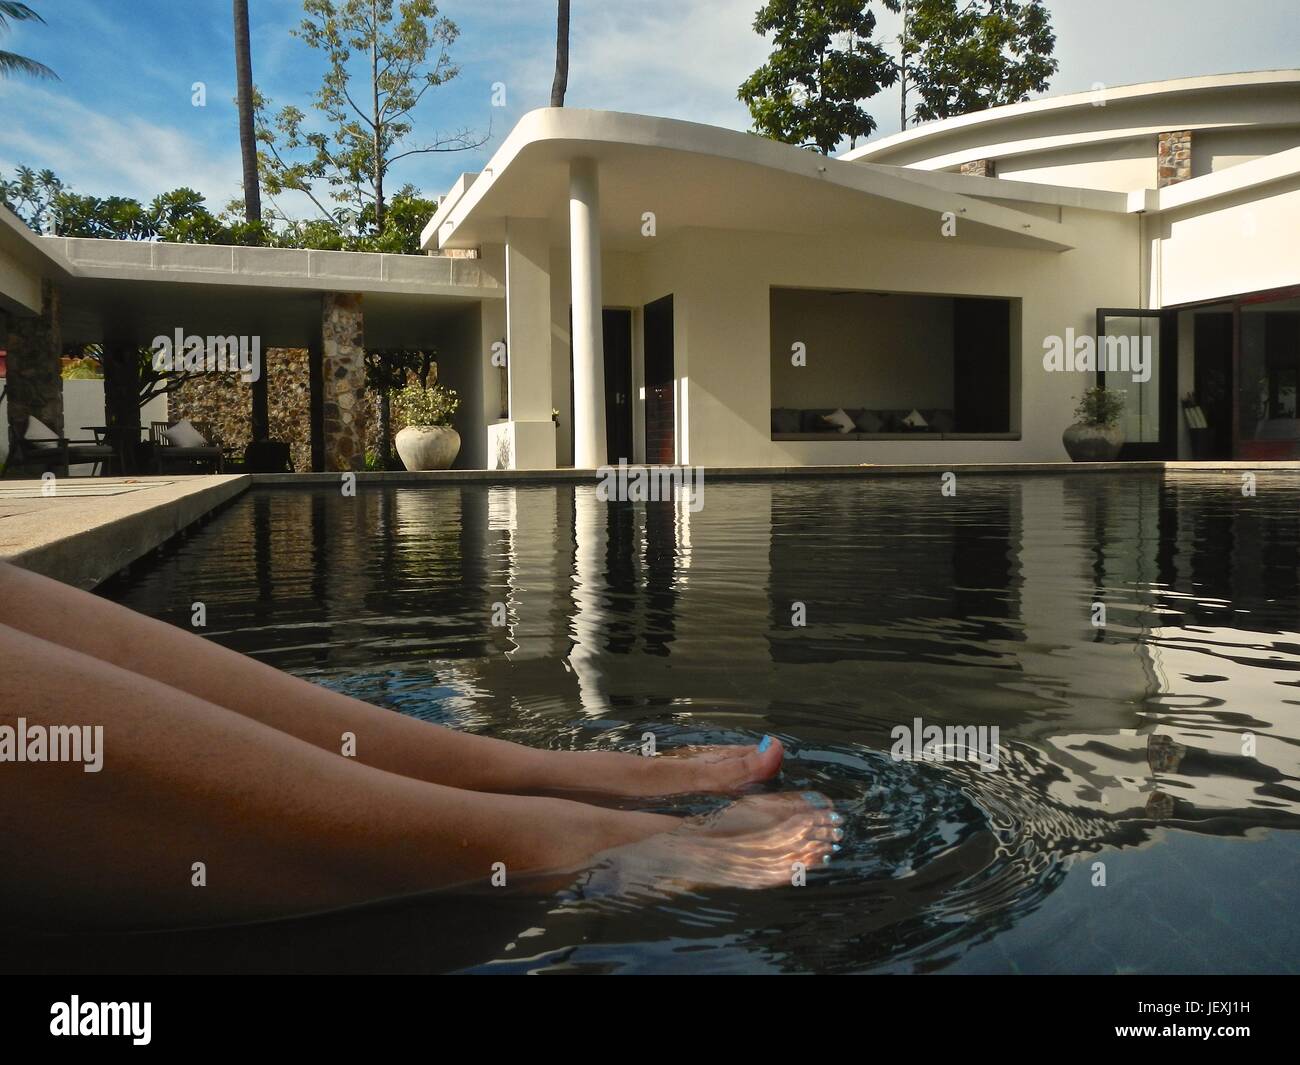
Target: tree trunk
(902, 69)
(261, 418)
(561, 83)
(380, 208)
(244, 97)
(121, 365)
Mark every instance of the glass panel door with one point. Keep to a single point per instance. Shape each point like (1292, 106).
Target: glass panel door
(1268, 375)
(1129, 361)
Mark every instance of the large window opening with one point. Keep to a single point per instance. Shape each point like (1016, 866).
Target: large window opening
(857, 365)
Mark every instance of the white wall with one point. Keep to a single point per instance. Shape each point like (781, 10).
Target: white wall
(1231, 245)
(721, 281)
(83, 404)
(1114, 167)
(1221, 149)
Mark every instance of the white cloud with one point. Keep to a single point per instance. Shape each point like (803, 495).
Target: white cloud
(676, 58)
(102, 155)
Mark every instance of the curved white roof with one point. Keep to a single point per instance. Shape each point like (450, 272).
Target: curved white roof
(1266, 97)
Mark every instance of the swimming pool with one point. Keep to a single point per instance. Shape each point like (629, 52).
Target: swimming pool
(1134, 640)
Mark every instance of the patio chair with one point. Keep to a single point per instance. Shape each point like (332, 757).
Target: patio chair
(167, 455)
(55, 454)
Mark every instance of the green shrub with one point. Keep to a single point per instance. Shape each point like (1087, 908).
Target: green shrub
(82, 370)
(1100, 406)
(414, 405)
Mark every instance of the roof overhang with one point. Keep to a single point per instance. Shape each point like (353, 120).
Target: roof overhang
(690, 175)
(140, 289)
(996, 128)
(25, 262)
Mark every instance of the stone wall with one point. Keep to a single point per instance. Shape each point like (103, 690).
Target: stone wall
(34, 382)
(1174, 158)
(979, 168)
(343, 375)
(223, 404)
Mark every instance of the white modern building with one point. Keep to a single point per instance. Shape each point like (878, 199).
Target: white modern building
(683, 293)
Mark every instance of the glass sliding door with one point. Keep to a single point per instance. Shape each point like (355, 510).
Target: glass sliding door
(1268, 377)
(1130, 360)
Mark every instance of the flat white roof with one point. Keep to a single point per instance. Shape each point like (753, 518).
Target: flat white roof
(296, 268)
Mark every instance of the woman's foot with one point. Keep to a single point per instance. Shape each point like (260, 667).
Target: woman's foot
(762, 841)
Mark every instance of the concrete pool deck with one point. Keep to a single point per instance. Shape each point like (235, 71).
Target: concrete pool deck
(88, 529)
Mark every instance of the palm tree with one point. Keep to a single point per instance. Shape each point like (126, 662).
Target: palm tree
(247, 138)
(261, 415)
(561, 83)
(11, 63)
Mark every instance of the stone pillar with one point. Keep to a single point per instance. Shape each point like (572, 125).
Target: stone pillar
(980, 168)
(34, 379)
(343, 381)
(528, 346)
(1174, 158)
(588, 339)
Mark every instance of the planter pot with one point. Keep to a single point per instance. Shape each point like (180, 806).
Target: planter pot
(1093, 443)
(428, 447)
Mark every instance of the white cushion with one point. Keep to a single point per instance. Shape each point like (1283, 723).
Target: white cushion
(183, 434)
(37, 429)
(840, 420)
(915, 421)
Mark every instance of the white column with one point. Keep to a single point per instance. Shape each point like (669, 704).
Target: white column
(530, 436)
(588, 340)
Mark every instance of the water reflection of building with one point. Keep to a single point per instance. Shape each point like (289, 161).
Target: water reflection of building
(975, 610)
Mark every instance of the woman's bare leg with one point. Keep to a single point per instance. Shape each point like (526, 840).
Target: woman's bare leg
(283, 827)
(384, 739)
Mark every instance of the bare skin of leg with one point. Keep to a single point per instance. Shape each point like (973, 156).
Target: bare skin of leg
(285, 828)
(385, 740)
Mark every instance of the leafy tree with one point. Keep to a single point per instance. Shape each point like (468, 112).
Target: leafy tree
(47, 205)
(389, 56)
(823, 64)
(969, 55)
(10, 62)
(31, 194)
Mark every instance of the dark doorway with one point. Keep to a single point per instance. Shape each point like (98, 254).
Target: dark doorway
(981, 370)
(660, 417)
(1213, 341)
(617, 329)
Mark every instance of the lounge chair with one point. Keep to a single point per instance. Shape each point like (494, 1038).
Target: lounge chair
(167, 455)
(55, 454)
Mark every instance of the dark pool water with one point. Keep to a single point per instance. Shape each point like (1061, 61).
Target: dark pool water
(1127, 745)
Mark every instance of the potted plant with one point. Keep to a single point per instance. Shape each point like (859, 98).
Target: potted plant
(426, 441)
(1097, 435)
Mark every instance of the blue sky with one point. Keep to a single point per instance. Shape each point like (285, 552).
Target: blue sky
(121, 121)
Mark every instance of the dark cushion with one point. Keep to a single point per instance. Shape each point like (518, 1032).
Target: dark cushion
(814, 421)
(941, 421)
(870, 421)
(785, 420)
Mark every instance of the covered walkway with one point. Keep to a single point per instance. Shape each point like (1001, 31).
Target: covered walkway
(58, 294)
